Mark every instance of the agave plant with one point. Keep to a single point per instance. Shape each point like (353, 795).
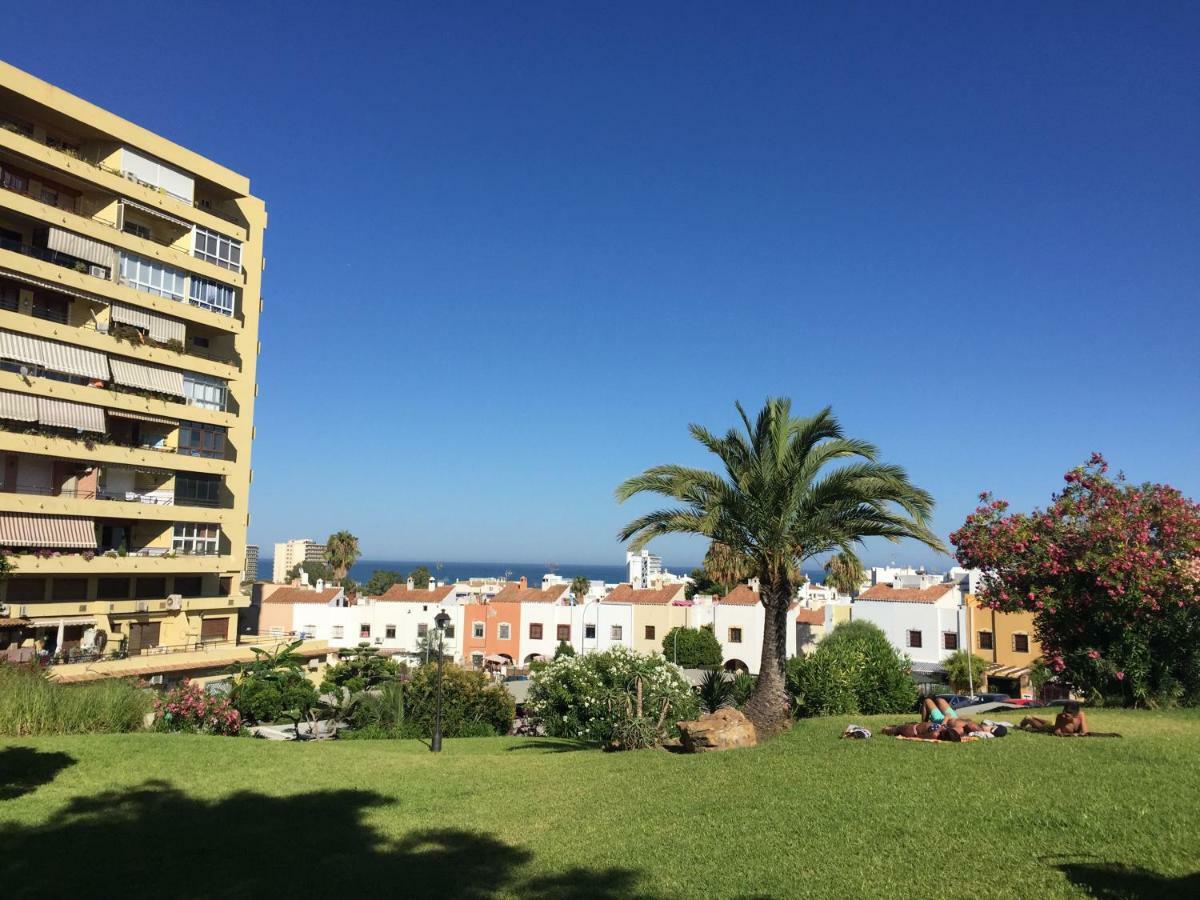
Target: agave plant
(716, 690)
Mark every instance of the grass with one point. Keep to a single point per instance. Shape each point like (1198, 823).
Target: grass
(31, 704)
(806, 815)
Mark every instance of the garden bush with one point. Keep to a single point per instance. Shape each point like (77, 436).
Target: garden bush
(696, 647)
(853, 670)
(189, 707)
(472, 706)
(32, 704)
(358, 669)
(594, 697)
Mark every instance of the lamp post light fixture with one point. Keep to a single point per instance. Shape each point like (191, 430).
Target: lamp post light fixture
(441, 620)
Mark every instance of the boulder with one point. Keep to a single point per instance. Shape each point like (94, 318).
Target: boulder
(725, 729)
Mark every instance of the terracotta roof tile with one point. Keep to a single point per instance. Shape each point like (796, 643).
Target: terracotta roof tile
(513, 592)
(907, 595)
(811, 616)
(400, 593)
(302, 595)
(742, 595)
(627, 593)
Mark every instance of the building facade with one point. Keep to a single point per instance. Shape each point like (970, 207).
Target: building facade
(926, 623)
(289, 554)
(1008, 641)
(130, 272)
(250, 571)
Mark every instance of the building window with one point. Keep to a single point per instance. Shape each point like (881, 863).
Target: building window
(477, 630)
(106, 589)
(985, 640)
(136, 230)
(535, 631)
(205, 392)
(219, 298)
(49, 197)
(197, 538)
(448, 631)
(735, 635)
(339, 631)
(616, 632)
(649, 632)
(422, 629)
(1020, 643)
(151, 277)
(564, 633)
(503, 631)
(477, 660)
(202, 440)
(217, 249)
(949, 640)
(13, 180)
(914, 638)
(389, 632)
(197, 490)
(364, 630)
(589, 632)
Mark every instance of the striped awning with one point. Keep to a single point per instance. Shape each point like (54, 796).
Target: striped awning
(161, 328)
(999, 671)
(151, 211)
(63, 532)
(142, 417)
(52, 355)
(82, 248)
(147, 378)
(65, 414)
(49, 285)
(18, 407)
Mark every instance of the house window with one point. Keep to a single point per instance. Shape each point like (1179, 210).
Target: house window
(202, 440)
(389, 631)
(217, 249)
(477, 630)
(535, 631)
(949, 640)
(13, 180)
(563, 633)
(196, 538)
(136, 230)
(151, 277)
(1020, 643)
(339, 632)
(735, 635)
(649, 632)
(422, 629)
(219, 298)
(503, 631)
(914, 638)
(985, 640)
(207, 393)
(616, 632)
(195, 489)
(364, 630)
(49, 197)
(589, 632)
(477, 660)
(448, 631)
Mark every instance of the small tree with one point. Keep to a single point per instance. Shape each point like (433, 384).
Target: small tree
(381, 580)
(317, 571)
(341, 553)
(855, 669)
(273, 686)
(844, 572)
(964, 671)
(580, 586)
(563, 649)
(420, 577)
(359, 669)
(692, 648)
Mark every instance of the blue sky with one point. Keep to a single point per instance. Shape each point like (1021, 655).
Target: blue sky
(514, 250)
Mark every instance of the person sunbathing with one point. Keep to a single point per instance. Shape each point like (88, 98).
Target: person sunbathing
(937, 710)
(1071, 721)
(930, 731)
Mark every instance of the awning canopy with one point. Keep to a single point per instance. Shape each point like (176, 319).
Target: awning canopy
(147, 378)
(65, 414)
(999, 671)
(18, 407)
(142, 417)
(82, 248)
(52, 355)
(62, 532)
(151, 211)
(161, 328)
(49, 286)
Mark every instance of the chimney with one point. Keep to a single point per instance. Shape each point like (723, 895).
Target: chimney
(524, 582)
(304, 578)
(410, 583)
(320, 584)
(432, 584)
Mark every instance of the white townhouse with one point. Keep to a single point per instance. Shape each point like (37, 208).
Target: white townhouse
(544, 618)
(737, 620)
(601, 625)
(402, 617)
(923, 622)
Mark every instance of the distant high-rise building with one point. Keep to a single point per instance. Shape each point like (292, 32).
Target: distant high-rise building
(250, 573)
(643, 567)
(291, 553)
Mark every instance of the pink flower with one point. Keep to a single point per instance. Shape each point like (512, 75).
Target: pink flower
(1120, 676)
(1093, 654)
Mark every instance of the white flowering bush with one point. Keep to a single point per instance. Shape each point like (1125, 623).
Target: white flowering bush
(602, 696)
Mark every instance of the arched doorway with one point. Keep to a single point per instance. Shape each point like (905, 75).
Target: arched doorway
(736, 665)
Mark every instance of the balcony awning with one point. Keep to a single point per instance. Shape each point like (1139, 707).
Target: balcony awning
(147, 378)
(151, 211)
(142, 417)
(161, 328)
(62, 532)
(49, 286)
(82, 248)
(18, 407)
(65, 414)
(52, 355)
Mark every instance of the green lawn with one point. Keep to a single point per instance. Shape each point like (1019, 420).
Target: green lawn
(1027, 815)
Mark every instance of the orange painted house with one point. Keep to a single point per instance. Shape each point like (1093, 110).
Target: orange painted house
(493, 629)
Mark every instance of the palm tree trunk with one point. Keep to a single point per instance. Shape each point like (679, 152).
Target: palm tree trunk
(768, 707)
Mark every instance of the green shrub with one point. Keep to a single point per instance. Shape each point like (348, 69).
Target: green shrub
(853, 670)
(743, 686)
(715, 691)
(359, 669)
(964, 671)
(471, 702)
(32, 704)
(692, 648)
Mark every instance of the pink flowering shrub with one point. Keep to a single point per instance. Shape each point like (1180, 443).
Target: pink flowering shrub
(1112, 573)
(188, 707)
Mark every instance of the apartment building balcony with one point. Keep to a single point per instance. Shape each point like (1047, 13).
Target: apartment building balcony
(146, 560)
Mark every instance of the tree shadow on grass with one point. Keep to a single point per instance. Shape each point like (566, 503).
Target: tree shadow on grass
(1111, 881)
(23, 769)
(155, 841)
(552, 745)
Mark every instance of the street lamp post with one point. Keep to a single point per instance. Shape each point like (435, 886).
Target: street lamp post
(441, 620)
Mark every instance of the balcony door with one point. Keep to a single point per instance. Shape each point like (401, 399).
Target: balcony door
(143, 636)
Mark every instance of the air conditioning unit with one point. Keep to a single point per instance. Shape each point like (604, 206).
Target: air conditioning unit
(175, 601)
(98, 271)
(24, 611)
(155, 679)
(143, 606)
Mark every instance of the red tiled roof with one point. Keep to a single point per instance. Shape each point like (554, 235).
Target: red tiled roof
(627, 593)
(811, 616)
(907, 595)
(514, 592)
(742, 595)
(302, 595)
(401, 593)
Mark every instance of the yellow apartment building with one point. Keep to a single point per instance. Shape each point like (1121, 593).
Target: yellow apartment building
(130, 272)
(655, 612)
(1008, 641)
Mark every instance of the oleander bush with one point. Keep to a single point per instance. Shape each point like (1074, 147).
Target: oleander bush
(32, 704)
(853, 670)
(190, 708)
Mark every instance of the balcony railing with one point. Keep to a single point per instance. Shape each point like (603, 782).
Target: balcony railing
(157, 552)
(54, 256)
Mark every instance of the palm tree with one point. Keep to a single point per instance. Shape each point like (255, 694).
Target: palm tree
(341, 552)
(844, 572)
(778, 503)
(580, 586)
(726, 567)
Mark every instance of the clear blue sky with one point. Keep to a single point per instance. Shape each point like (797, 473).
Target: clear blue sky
(514, 250)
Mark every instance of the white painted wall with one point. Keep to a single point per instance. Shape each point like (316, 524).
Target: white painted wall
(896, 619)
